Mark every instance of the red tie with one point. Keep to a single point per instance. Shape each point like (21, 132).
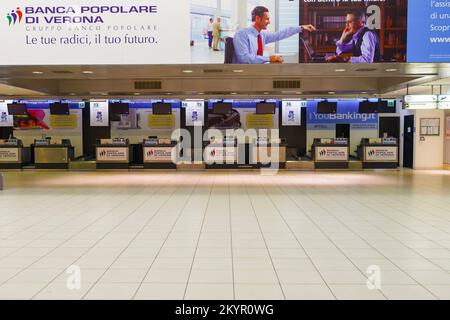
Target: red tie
(260, 45)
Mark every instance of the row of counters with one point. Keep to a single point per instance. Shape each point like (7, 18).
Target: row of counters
(161, 153)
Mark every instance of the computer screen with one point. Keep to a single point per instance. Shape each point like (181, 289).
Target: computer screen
(265, 108)
(59, 109)
(162, 108)
(368, 107)
(222, 108)
(119, 108)
(326, 107)
(387, 106)
(17, 109)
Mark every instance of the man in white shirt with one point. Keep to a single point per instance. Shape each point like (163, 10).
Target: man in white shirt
(209, 32)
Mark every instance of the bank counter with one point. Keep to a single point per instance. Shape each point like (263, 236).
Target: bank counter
(113, 153)
(262, 151)
(158, 153)
(229, 154)
(379, 153)
(13, 155)
(52, 153)
(330, 153)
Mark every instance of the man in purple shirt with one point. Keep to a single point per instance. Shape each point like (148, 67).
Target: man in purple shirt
(249, 42)
(358, 44)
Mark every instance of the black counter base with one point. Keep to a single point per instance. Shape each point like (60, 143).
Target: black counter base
(242, 166)
(10, 166)
(331, 165)
(64, 166)
(156, 166)
(380, 165)
(112, 166)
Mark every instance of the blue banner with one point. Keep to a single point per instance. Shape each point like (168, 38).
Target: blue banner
(347, 113)
(428, 31)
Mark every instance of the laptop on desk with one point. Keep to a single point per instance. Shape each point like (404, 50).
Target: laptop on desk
(313, 56)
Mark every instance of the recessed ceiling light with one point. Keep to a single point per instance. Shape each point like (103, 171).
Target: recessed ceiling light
(266, 93)
(391, 70)
(331, 92)
(364, 92)
(137, 94)
(233, 93)
(169, 93)
(298, 92)
(188, 71)
(200, 93)
(340, 70)
(37, 72)
(238, 71)
(87, 72)
(72, 94)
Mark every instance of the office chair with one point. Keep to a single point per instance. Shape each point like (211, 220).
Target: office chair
(229, 50)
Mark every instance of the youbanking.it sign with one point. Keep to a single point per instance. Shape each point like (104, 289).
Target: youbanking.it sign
(14, 17)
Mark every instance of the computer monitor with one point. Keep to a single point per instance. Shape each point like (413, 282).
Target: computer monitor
(387, 106)
(222, 108)
(325, 107)
(119, 108)
(368, 107)
(59, 108)
(162, 108)
(17, 109)
(265, 108)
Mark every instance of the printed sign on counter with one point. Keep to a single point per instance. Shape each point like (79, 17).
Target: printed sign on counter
(381, 154)
(157, 154)
(9, 154)
(220, 154)
(331, 153)
(112, 154)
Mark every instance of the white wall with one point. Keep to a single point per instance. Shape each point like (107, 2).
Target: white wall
(429, 154)
(447, 140)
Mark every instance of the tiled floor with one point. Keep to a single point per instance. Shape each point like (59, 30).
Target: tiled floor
(225, 235)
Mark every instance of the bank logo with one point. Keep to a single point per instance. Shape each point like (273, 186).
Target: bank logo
(371, 152)
(15, 16)
(323, 153)
(102, 153)
(150, 153)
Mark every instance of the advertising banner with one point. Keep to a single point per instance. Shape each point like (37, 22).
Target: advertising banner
(5, 119)
(158, 154)
(381, 154)
(347, 113)
(93, 32)
(331, 154)
(84, 32)
(119, 154)
(99, 111)
(9, 154)
(355, 31)
(428, 31)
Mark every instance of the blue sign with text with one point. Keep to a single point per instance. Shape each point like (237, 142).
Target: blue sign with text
(428, 31)
(347, 113)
